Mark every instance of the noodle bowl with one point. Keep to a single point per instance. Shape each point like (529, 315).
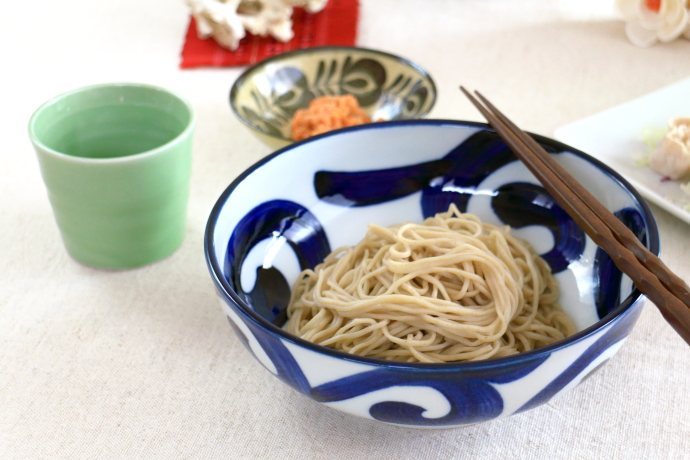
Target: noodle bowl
(289, 211)
(449, 289)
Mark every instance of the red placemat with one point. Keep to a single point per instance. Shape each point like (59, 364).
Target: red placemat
(336, 24)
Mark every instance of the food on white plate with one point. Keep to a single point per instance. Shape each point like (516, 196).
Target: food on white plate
(671, 158)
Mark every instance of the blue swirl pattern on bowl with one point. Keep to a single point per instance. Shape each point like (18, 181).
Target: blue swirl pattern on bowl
(288, 211)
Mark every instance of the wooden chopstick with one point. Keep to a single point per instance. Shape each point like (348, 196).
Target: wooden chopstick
(668, 292)
(620, 231)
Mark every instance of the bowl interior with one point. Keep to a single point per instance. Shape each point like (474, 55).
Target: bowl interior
(386, 86)
(288, 211)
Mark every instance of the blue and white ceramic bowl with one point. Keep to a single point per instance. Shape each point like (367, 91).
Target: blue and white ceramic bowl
(289, 210)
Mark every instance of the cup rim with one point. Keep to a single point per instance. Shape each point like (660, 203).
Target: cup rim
(235, 302)
(113, 160)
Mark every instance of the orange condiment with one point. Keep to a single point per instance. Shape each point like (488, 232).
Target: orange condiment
(653, 5)
(326, 113)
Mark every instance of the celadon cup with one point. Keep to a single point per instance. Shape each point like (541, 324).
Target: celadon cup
(116, 161)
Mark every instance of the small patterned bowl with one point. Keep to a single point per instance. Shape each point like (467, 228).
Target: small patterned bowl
(267, 95)
(286, 212)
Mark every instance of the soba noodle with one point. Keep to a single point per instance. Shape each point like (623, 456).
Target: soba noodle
(449, 289)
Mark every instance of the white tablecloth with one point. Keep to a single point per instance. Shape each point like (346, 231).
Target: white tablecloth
(140, 363)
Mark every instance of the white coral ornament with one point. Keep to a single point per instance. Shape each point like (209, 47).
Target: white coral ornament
(649, 21)
(219, 20)
(227, 21)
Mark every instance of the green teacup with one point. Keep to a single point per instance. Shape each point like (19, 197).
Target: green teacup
(116, 161)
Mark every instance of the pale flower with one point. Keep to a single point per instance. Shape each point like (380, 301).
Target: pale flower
(649, 21)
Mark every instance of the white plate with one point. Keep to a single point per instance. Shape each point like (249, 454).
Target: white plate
(615, 136)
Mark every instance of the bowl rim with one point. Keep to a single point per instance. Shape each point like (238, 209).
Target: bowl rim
(229, 294)
(249, 71)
